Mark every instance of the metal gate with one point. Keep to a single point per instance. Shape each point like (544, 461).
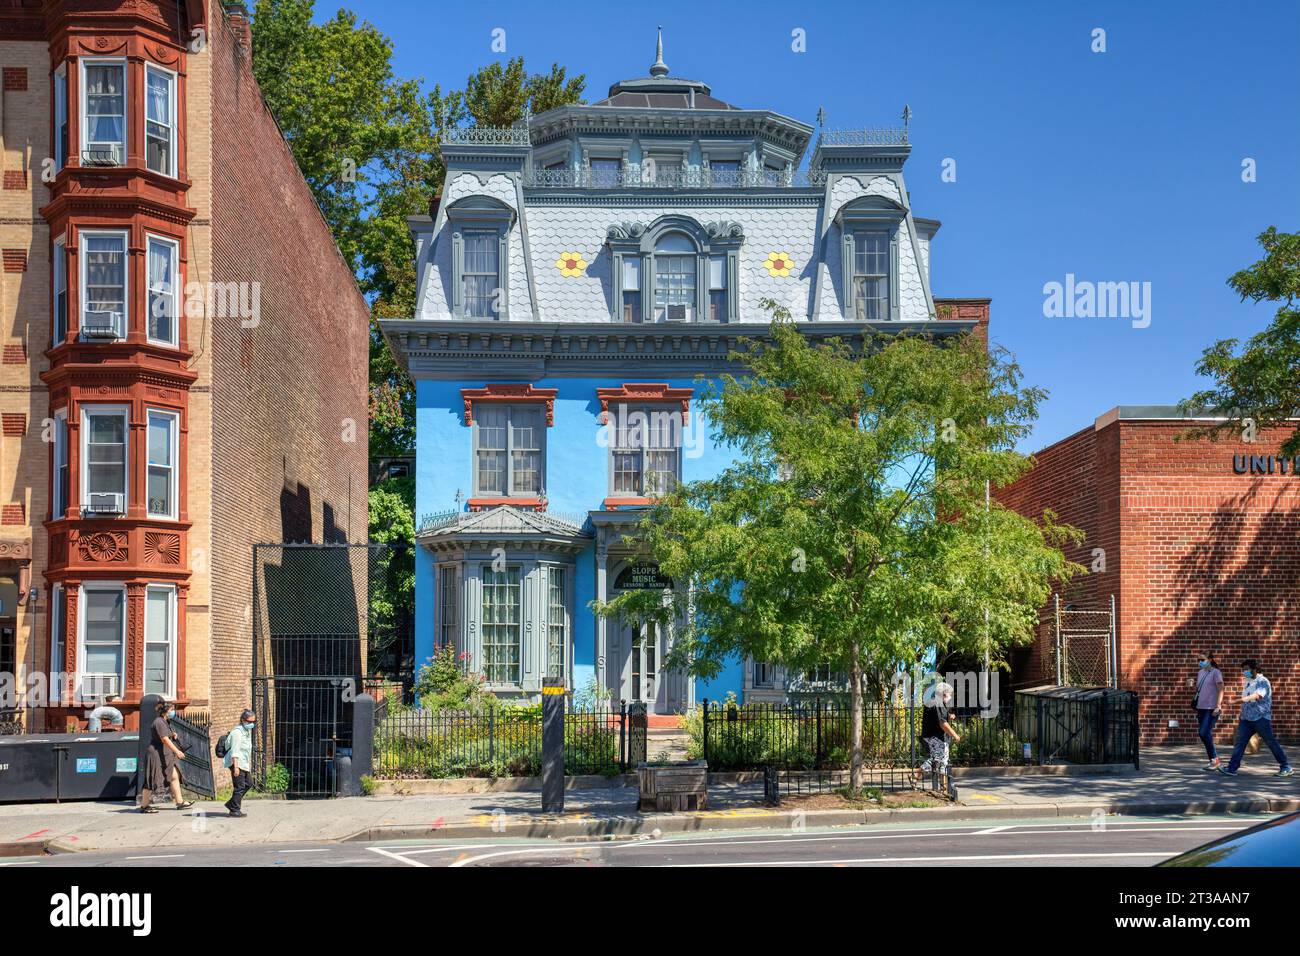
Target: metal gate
(196, 768)
(321, 615)
(1082, 650)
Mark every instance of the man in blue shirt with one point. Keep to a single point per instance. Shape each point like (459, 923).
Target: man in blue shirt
(1256, 718)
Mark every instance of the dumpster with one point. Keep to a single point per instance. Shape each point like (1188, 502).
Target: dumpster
(1078, 724)
(38, 767)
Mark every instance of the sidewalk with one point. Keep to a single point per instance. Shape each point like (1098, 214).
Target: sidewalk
(1170, 782)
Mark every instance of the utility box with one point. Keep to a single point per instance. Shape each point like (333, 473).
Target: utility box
(51, 767)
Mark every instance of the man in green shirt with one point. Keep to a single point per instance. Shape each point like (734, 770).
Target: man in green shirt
(239, 760)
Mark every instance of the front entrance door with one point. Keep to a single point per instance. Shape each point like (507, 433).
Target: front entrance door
(643, 663)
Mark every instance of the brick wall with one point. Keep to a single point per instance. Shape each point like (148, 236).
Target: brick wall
(288, 394)
(1198, 557)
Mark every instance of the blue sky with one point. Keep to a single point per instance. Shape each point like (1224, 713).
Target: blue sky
(1117, 166)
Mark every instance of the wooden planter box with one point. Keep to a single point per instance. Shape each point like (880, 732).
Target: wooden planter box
(674, 786)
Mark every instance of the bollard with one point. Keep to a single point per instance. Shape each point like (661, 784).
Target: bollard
(553, 748)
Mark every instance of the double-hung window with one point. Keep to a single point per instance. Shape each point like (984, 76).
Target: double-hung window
(724, 172)
(871, 255)
(161, 482)
(160, 120)
(103, 635)
(59, 498)
(717, 288)
(631, 288)
(448, 605)
(605, 173)
(644, 455)
(103, 285)
(61, 117)
(501, 625)
(60, 291)
(160, 640)
(481, 274)
(104, 459)
(557, 625)
(509, 450)
(58, 641)
(103, 112)
(675, 266)
(161, 320)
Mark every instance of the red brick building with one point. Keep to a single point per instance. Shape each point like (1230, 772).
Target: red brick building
(184, 361)
(1199, 543)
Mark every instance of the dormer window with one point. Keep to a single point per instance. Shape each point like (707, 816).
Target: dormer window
(872, 227)
(631, 292)
(871, 276)
(480, 233)
(675, 268)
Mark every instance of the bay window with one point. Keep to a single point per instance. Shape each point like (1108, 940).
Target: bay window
(557, 625)
(103, 285)
(160, 640)
(448, 605)
(60, 117)
(161, 479)
(103, 112)
(161, 320)
(58, 641)
(103, 636)
(60, 297)
(509, 450)
(104, 459)
(160, 120)
(501, 625)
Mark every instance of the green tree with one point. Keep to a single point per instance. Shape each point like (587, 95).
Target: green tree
(1259, 380)
(852, 528)
(392, 593)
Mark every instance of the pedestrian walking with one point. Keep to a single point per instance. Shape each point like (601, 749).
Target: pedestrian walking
(238, 757)
(1256, 718)
(936, 729)
(162, 762)
(1208, 701)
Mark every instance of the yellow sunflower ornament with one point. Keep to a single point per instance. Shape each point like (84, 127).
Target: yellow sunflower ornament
(778, 264)
(571, 264)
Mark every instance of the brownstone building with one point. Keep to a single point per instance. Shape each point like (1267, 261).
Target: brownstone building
(1198, 542)
(184, 355)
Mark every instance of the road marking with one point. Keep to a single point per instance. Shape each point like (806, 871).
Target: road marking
(538, 849)
(161, 856)
(992, 830)
(20, 863)
(982, 858)
(396, 856)
(324, 849)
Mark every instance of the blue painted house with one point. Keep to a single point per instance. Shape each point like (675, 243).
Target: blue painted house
(582, 271)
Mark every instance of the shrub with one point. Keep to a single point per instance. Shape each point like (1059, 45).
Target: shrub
(445, 683)
(277, 778)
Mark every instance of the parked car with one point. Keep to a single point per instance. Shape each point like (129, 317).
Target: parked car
(1274, 843)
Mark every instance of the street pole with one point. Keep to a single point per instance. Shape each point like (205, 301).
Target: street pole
(553, 747)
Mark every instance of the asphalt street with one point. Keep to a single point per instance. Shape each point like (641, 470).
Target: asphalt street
(1110, 841)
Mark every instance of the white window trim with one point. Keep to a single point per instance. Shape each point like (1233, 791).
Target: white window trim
(81, 634)
(169, 693)
(124, 412)
(171, 119)
(82, 127)
(174, 439)
(61, 436)
(175, 292)
(84, 266)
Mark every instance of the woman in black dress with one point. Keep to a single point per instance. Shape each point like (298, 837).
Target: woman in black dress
(161, 769)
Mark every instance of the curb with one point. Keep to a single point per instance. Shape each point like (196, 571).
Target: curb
(585, 825)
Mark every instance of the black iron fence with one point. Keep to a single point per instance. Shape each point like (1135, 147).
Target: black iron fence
(778, 784)
(816, 735)
(503, 741)
(196, 768)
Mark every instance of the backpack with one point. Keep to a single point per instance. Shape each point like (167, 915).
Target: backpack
(223, 745)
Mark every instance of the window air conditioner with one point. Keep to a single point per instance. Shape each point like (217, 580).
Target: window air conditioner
(99, 686)
(102, 154)
(106, 503)
(678, 313)
(101, 325)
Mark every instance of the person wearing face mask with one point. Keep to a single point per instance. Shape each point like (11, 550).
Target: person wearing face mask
(239, 760)
(936, 728)
(162, 765)
(1256, 718)
(1208, 701)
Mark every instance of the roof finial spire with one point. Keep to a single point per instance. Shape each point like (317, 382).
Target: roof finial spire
(659, 67)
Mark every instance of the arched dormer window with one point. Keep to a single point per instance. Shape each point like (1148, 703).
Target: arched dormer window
(480, 237)
(675, 270)
(869, 230)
